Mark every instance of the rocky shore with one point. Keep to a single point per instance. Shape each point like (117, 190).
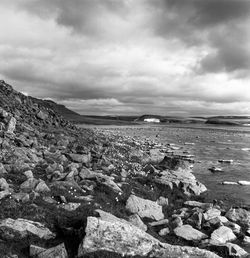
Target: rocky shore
(72, 192)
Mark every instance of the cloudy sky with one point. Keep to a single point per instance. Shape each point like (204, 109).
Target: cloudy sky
(173, 57)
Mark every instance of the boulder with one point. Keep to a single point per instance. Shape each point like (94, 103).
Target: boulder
(19, 229)
(222, 235)
(187, 232)
(144, 208)
(127, 240)
(239, 215)
(181, 179)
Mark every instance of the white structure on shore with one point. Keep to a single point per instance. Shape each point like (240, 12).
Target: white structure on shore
(152, 120)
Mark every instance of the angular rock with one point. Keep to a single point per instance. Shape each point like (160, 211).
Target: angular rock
(42, 115)
(222, 235)
(3, 184)
(80, 158)
(58, 251)
(69, 206)
(28, 174)
(159, 222)
(144, 208)
(182, 179)
(136, 221)
(29, 185)
(211, 213)
(125, 239)
(42, 187)
(18, 229)
(198, 204)
(11, 125)
(239, 215)
(187, 232)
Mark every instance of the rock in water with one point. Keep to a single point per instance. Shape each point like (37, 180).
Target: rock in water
(18, 229)
(189, 233)
(128, 240)
(144, 208)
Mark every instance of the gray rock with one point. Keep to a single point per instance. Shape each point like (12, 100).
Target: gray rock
(28, 174)
(29, 185)
(11, 125)
(159, 222)
(198, 204)
(71, 206)
(222, 235)
(3, 184)
(21, 197)
(42, 187)
(136, 221)
(42, 115)
(164, 232)
(18, 229)
(128, 240)
(187, 232)
(144, 208)
(58, 251)
(239, 215)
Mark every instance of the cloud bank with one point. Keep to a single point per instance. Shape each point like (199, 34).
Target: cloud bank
(187, 57)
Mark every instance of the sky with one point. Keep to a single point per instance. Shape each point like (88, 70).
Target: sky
(127, 57)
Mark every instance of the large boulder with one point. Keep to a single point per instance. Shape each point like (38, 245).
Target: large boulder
(181, 179)
(144, 208)
(127, 240)
(19, 229)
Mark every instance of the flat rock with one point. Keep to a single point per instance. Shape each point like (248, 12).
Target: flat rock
(128, 240)
(222, 235)
(182, 179)
(231, 250)
(211, 213)
(136, 221)
(198, 204)
(58, 251)
(187, 232)
(18, 229)
(144, 208)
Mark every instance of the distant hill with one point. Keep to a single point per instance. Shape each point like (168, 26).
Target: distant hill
(229, 120)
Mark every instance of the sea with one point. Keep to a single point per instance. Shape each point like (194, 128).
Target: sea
(207, 144)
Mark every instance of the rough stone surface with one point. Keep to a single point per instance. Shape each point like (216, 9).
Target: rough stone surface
(189, 233)
(144, 208)
(211, 213)
(222, 235)
(136, 221)
(125, 239)
(58, 251)
(21, 228)
(239, 215)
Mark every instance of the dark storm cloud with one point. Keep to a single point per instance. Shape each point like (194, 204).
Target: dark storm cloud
(127, 56)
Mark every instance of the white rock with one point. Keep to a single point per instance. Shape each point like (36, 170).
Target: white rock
(229, 183)
(164, 232)
(244, 182)
(128, 240)
(222, 235)
(211, 213)
(187, 232)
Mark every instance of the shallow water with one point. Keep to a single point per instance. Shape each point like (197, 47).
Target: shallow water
(208, 144)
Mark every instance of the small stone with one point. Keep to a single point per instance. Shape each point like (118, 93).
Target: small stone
(28, 174)
(159, 223)
(162, 201)
(164, 232)
(211, 213)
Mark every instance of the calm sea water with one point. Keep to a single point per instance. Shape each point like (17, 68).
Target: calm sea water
(208, 144)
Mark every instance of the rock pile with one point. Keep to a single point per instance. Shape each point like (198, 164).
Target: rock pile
(70, 192)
